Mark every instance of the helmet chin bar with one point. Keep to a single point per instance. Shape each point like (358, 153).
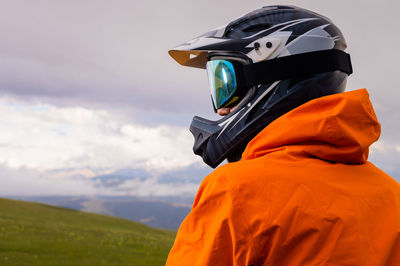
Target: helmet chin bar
(215, 141)
(207, 133)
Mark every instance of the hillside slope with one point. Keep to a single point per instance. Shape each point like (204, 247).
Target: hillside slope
(37, 234)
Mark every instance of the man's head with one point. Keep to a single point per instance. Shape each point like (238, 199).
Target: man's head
(263, 64)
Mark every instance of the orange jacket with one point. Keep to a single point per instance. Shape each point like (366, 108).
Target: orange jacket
(303, 194)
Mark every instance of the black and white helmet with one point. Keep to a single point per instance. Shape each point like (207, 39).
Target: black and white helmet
(293, 55)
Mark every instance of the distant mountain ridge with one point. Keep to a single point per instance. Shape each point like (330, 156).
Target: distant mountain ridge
(161, 212)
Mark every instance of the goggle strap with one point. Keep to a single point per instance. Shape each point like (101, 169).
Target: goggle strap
(296, 66)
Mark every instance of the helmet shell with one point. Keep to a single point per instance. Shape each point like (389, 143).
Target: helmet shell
(290, 30)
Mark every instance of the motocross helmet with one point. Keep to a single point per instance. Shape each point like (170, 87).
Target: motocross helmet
(265, 63)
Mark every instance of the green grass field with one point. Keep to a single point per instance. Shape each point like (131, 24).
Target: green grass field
(37, 234)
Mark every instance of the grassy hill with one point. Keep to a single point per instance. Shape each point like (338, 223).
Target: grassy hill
(37, 234)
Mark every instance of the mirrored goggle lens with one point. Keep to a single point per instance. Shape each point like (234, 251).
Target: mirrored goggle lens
(222, 79)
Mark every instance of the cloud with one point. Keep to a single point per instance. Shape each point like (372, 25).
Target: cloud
(151, 187)
(31, 182)
(386, 154)
(25, 181)
(46, 137)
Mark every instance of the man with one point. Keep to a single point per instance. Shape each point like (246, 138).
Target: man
(298, 189)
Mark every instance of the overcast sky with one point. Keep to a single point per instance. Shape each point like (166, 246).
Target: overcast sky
(87, 87)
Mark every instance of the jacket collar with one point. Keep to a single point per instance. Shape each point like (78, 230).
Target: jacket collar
(338, 128)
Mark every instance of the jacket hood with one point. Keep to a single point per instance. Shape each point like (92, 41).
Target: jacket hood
(337, 128)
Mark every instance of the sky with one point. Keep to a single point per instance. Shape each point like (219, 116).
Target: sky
(87, 89)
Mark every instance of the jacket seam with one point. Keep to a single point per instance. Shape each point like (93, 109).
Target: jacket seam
(234, 204)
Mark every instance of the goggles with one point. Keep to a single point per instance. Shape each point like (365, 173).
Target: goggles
(228, 79)
(222, 78)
